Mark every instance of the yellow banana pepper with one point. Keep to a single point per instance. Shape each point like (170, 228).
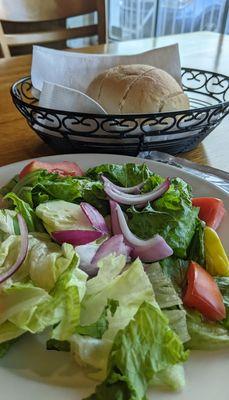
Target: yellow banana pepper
(217, 262)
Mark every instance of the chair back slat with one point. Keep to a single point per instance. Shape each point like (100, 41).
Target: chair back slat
(39, 12)
(51, 36)
(44, 10)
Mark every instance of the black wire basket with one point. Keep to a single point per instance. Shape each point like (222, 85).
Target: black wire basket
(171, 132)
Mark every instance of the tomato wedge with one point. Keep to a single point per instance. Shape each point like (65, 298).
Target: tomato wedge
(211, 210)
(203, 294)
(64, 168)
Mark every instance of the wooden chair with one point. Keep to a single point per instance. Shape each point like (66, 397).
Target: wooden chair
(52, 13)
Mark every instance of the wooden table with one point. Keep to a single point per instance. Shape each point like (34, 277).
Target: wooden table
(199, 50)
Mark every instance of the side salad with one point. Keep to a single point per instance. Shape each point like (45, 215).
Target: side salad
(121, 268)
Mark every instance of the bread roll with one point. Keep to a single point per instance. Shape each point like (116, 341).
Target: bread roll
(137, 88)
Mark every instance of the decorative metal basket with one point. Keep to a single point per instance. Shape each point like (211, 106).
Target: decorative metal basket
(171, 132)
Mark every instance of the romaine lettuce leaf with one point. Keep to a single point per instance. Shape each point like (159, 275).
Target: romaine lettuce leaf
(177, 227)
(176, 269)
(47, 260)
(9, 186)
(17, 299)
(168, 300)
(40, 186)
(62, 310)
(30, 308)
(196, 251)
(32, 221)
(44, 263)
(7, 223)
(62, 215)
(9, 332)
(143, 348)
(223, 284)
(205, 335)
(124, 175)
(67, 295)
(172, 216)
(98, 328)
(172, 377)
(130, 288)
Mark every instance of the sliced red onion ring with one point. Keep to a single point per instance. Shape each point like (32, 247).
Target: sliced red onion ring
(153, 249)
(76, 237)
(115, 244)
(114, 218)
(86, 253)
(95, 218)
(157, 250)
(133, 199)
(132, 189)
(23, 250)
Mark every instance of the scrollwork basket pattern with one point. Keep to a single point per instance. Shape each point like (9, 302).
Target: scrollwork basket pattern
(172, 132)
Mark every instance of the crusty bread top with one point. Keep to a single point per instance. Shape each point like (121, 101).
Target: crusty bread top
(137, 88)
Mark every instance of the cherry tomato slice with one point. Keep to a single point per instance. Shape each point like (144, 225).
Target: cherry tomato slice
(203, 294)
(211, 210)
(64, 168)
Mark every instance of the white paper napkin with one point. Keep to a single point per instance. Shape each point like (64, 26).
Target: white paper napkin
(77, 70)
(59, 97)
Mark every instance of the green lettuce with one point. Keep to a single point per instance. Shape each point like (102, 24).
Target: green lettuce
(130, 288)
(28, 308)
(196, 251)
(62, 310)
(98, 328)
(40, 186)
(223, 284)
(17, 299)
(172, 216)
(7, 223)
(124, 175)
(205, 335)
(9, 186)
(172, 377)
(68, 294)
(32, 221)
(46, 260)
(45, 291)
(62, 215)
(44, 263)
(176, 269)
(142, 349)
(168, 300)
(8, 333)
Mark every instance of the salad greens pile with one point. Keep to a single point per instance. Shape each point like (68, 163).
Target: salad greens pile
(127, 326)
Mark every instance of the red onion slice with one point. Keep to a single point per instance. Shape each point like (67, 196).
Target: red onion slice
(86, 253)
(153, 249)
(96, 219)
(131, 189)
(157, 250)
(114, 218)
(115, 244)
(133, 199)
(76, 237)
(23, 250)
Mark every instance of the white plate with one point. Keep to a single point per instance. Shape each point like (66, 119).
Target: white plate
(29, 371)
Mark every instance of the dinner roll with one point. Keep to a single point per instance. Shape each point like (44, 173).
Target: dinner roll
(137, 88)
